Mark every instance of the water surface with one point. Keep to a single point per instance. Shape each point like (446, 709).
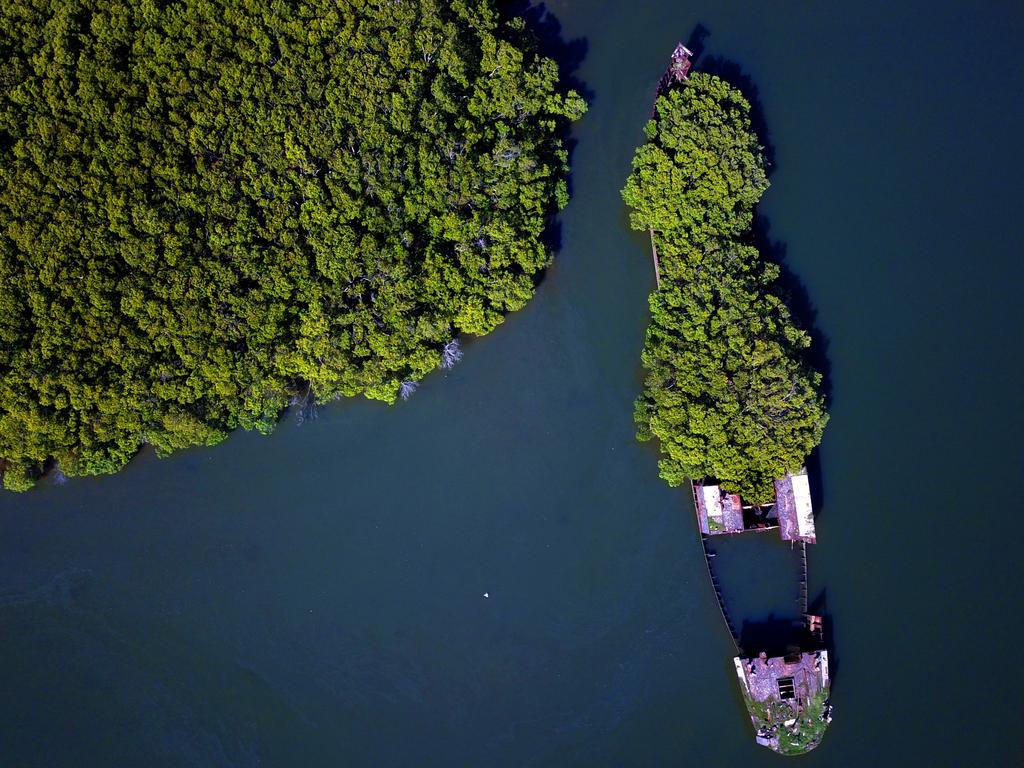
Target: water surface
(316, 598)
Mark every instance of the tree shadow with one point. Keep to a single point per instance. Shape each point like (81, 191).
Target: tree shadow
(544, 31)
(789, 286)
(741, 80)
(794, 293)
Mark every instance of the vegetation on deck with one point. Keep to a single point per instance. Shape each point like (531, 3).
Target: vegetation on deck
(210, 209)
(729, 393)
(803, 735)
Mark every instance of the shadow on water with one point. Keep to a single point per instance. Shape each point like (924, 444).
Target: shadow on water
(695, 42)
(816, 480)
(740, 79)
(788, 285)
(819, 607)
(792, 291)
(779, 635)
(774, 635)
(544, 31)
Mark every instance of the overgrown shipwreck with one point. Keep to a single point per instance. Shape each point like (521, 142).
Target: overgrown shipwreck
(787, 694)
(785, 688)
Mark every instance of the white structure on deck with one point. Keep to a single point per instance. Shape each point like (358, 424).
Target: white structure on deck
(802, 500)
(712, 498)
(793, 507)
(719, 511)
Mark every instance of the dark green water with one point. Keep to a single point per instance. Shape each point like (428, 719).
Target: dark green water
(316, 598)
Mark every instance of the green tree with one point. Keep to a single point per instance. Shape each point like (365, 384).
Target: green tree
(211, 208)
(728, 393)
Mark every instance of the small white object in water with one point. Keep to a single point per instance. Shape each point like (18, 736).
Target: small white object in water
(486, 594)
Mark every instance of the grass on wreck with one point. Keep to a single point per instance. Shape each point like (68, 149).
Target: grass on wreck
(802, 736)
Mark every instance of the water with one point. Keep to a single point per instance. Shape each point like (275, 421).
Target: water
(317, 597)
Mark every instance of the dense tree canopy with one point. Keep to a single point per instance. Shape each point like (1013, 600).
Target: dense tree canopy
(728, 392)
(209, 208)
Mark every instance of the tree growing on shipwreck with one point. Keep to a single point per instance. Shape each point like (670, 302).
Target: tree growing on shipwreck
(728, 393)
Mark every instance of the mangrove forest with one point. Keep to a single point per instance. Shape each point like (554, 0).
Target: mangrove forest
(213, 209)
